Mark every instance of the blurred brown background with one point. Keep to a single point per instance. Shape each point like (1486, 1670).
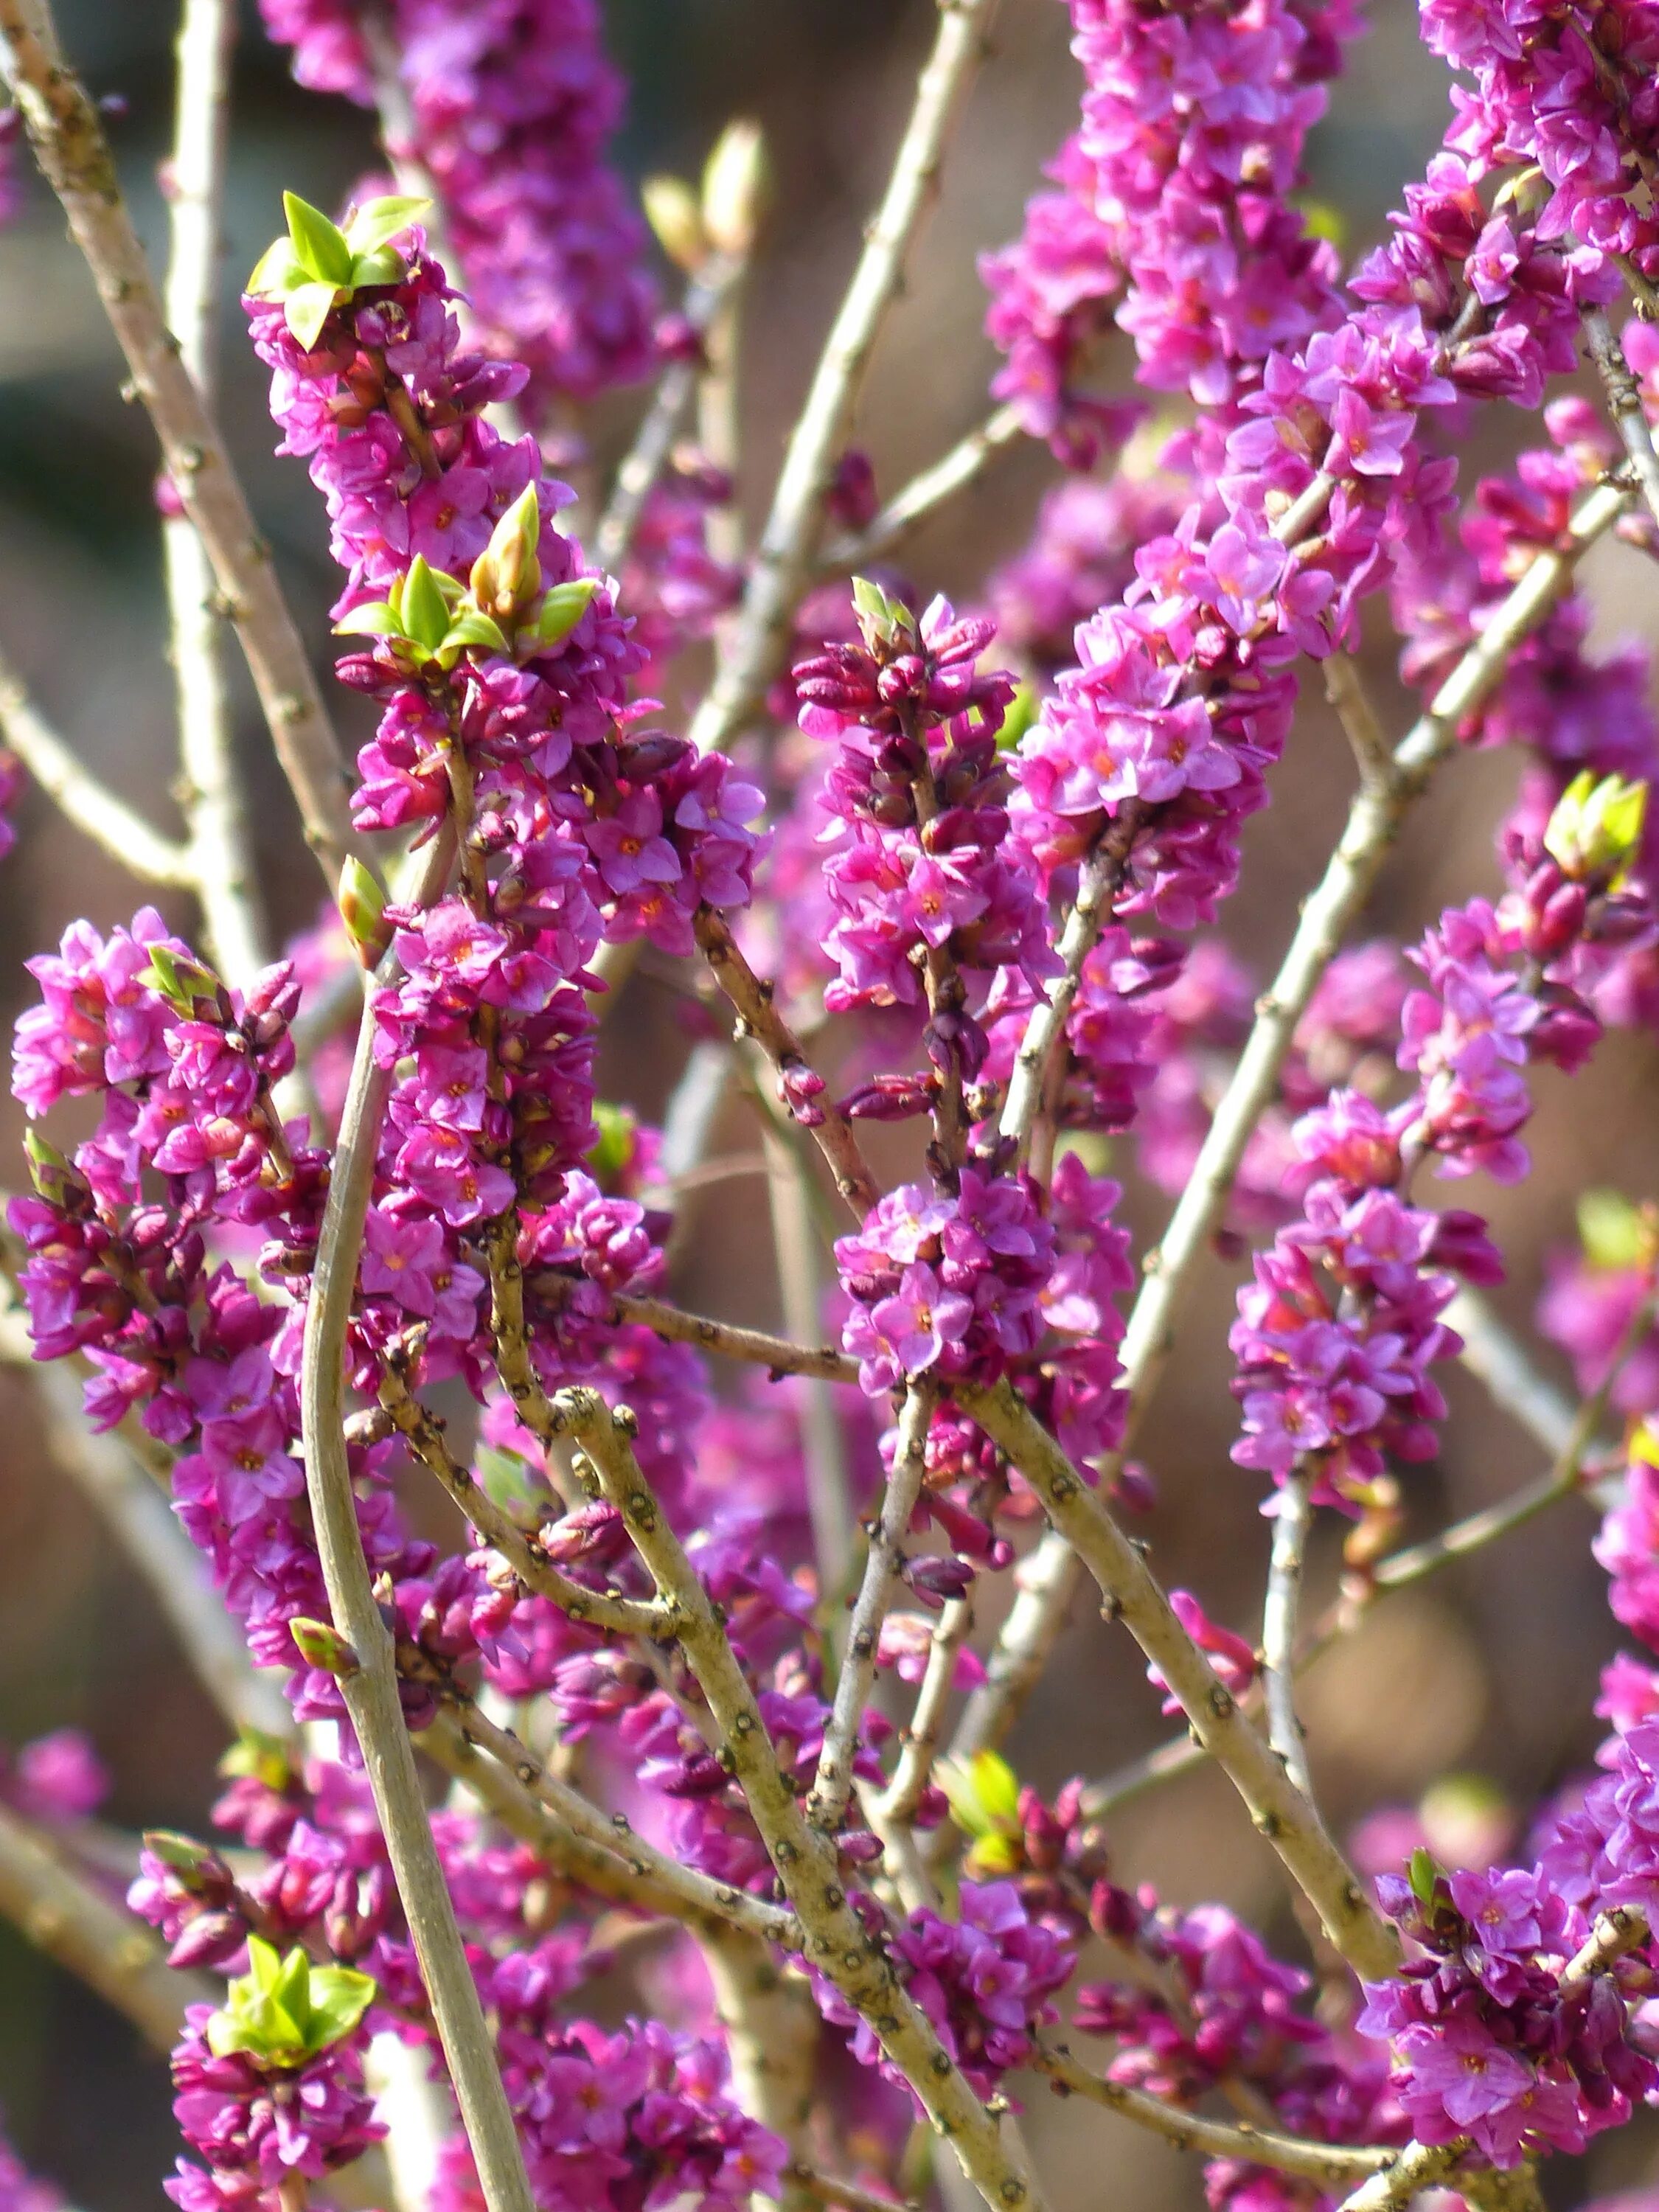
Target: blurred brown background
(1492, 1668)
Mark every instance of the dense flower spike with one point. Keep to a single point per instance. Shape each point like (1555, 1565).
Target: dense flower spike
(513, 106)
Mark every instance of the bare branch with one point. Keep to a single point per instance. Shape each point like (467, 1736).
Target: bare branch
(832, 1787)
(74, 154)
(754, 1004)
(214, 809)
(98, 1942)
(1293, 1517)
(897, 1808)
(1330, 2165)
(925, 494)
(115, 828)
(1624, 403)
(783, 557)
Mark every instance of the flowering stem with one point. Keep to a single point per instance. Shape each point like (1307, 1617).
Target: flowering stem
(915, 1770)
(1345, 689)
(75, 157)
(1374, 819)
(1280, 1810)
(771, 2033)
(1329, 2163)
(783, 558)
(759, 1017)
(111, 825)
(1620, 1929)
(832, 1787)
(705, 295)
(917, 502)
(370, 1689)
(425, 1435)
(75, 1924)
(837, 1941)
(1097, 883)
(214, 812)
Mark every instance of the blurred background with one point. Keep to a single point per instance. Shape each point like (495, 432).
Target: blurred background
(1491, 1669)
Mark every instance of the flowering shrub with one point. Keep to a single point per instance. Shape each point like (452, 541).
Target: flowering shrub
(318, 1231)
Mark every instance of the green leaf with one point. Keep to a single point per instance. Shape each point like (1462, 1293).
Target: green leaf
(426, 616)
(474, 629)
(884, 619)
(278, 271)
(983, 1793)
(258, 1758)
(561, 608)
(339, 1998)
(385, 266)
(305, 309)
(1423, 1873)
(183, 1854)
(373, 618)
(670, 208)
(377, 222)
(319, 245)
(511, 1482)
(1611, 1231)
(614, 1148)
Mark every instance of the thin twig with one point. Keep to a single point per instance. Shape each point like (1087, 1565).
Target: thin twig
(1509, 1372)
(898, 1807)
(75, 157)
(370, 1687)
(753, 1002)
(1097, 884)
(824, 1439)
(1624, 403)
(925, 494)
(1293, 1517)
(679, 1892)
(1330, 2165)
(780, 1355)
(832, 1786)
(1345, 688)
(214, 812)
(647, 457)
(115, 828)
(1281, 1810)
(98, 1942)
(1374, 818)
(783, 557)
(848, 1954)
(832, 2189)
(425, 1435)
(1417, 2167)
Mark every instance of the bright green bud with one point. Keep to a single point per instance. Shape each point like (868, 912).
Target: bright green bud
(284, 2010)
(734, 187)
(377, 222)
(507, 575)
(982, 1792)
(53, 1178)
(613, 1148)
(884, 620)
(1611, 1231)
(421, 608)
(319, 245)
(180, 1854)
(1423, 1874)
(257, 1757)
(362, 909)
(507, 1480)
(670, 208)
(321, 1644)
(1596, 828)
(561, 610)
(1023, 710)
